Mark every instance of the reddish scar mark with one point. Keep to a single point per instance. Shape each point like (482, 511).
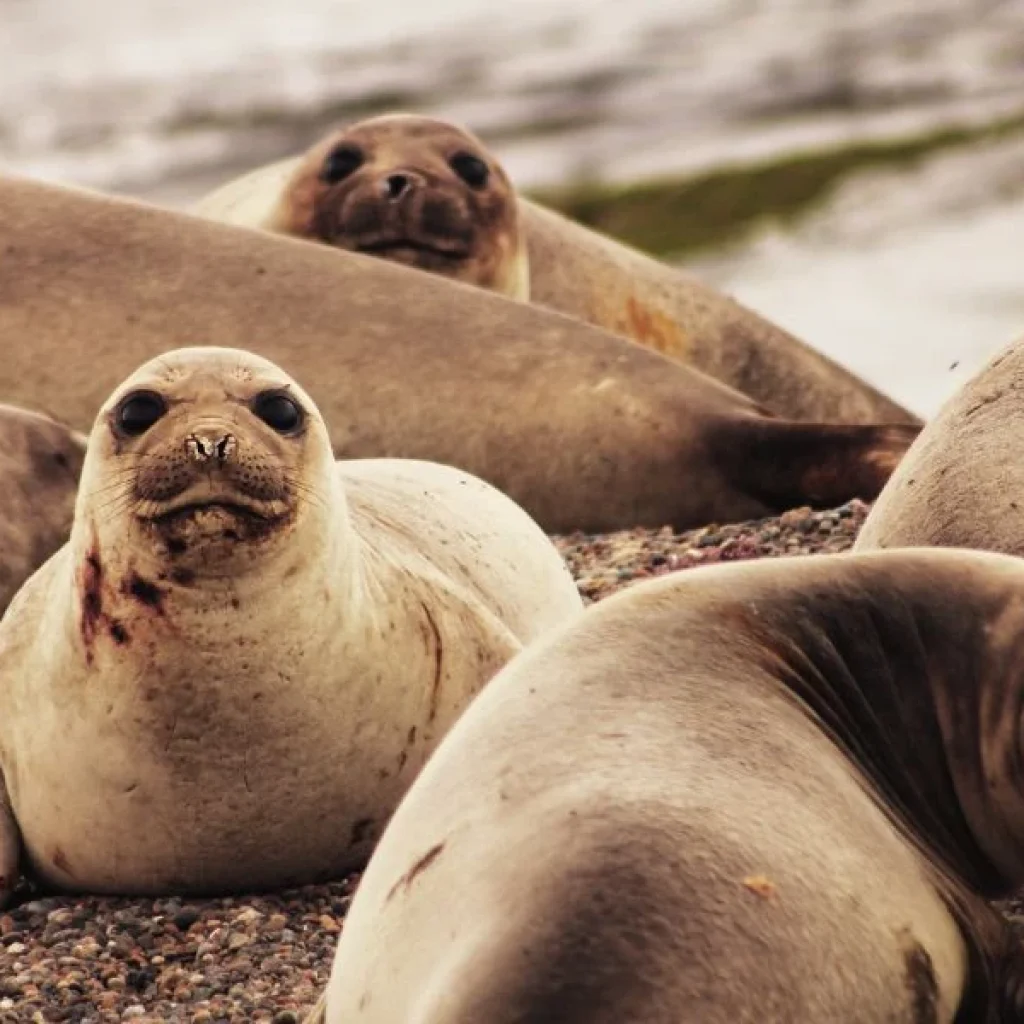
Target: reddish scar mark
(417, 869)
(144, 591)
(60, 861)
(92, 599)
(435, 690)
(653, 328)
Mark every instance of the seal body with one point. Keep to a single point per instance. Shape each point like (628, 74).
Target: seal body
(586, 274)
(962, 484)
(40, 461)
(415, 190)
(542, 256)
(774, 791)
(246, 652)
(583, 429)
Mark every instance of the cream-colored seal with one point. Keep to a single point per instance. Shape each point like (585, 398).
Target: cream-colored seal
(583, 429)
(962, 483)
(571, 268)
(231, 673)
(40, 460)
(776, 791)
(415, 190)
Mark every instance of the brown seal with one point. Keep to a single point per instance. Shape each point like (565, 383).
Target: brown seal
(778, 791)
(583, 429)
(571, 268)
(230, 674)
(40, 462)
(415, 190)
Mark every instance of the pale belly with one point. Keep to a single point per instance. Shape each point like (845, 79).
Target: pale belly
(209, 812)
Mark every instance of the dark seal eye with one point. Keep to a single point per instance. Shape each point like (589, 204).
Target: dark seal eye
(278, 411)
(341, 162)
(471, 169)
(137, 412)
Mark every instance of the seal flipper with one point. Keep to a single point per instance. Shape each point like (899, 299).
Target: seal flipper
(785, 464)
(10, 847)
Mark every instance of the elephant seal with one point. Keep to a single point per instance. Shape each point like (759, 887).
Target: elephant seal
(415, 190)
(40, 461)
(571, 268)
(962, 482)
(582, 429)
(246, 651)
(775, 791)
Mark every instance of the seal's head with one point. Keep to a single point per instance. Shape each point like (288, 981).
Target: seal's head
(415, 190)
(205, 457)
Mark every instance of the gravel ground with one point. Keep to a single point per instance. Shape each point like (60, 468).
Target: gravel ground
(267, 958)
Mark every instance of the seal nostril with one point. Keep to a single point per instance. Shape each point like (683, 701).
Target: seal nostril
(395, 185)
(225, 446)
(199, 447)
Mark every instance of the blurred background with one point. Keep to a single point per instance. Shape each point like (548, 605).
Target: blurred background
(852, 169)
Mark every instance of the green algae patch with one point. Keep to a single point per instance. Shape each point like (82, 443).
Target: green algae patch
(674, 216)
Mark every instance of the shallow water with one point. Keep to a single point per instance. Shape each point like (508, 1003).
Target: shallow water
(912, 279)
(165, 99)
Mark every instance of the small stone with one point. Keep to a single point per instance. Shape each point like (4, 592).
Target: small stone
(185, 918)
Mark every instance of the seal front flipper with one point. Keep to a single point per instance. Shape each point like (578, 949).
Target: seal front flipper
(785, 464)
(10, 847)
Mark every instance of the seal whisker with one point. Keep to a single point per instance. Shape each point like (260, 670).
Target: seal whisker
(308, 495)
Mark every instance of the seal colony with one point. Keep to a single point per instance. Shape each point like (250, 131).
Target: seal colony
(962, 482)
(781, 792)
(775, 791)
(246, 651)
(418, 189)
(583, 429)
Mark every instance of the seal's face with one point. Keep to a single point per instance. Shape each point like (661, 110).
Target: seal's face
(414, 190)
(203, 455)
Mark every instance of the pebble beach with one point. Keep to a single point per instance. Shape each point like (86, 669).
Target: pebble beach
(266, 958)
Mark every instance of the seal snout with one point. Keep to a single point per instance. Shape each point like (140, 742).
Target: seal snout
(203, 447)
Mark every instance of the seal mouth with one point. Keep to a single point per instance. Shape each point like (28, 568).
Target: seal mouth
(216, 507)
(211, 523)
(411, 247)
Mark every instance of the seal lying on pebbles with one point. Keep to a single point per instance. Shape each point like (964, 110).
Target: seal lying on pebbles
(396, 178)
(415, 190)
(246, 652)
(962, 483)
(40, 461)
(583, 429)
(775, 791)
